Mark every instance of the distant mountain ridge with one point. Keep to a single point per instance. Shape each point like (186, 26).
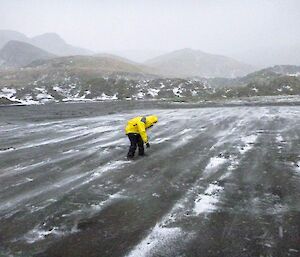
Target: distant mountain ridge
(195, 63)
(50, 42)
(8, 35)
(53, 43)
(18, 54)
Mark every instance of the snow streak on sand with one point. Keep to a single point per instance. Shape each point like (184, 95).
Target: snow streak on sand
(207, 202)
(248, 143)
(39, 233)
(158, 237)
(214, 163)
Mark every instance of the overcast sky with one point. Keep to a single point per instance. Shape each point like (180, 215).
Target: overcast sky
(216, 26)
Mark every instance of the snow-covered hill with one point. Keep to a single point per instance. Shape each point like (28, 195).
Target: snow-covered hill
(68, 81)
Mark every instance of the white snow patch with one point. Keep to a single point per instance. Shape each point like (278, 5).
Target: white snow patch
(159, 236)
(194, 93)
(43, 96)
(248, 141)
(107, 97)
(279, 138)
(58, 89)
(298, 167)
(177, 91)
(297, 74)
(102, 170)
(38, 234)
(9, 149)
(8, 92)
(41, 89)
(206, 202)
(214, 163)
(185, 131)
(288, 87)
(139, 95)
(160, 140)
(71, 151)
(28, 100)
(108, 167)
(153, 92)
(98, 207)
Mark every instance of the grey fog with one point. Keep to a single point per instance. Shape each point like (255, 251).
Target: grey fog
(257, 32)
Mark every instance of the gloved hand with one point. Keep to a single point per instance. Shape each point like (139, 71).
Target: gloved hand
(147, 145)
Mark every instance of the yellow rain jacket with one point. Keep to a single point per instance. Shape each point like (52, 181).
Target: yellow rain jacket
(138, 125)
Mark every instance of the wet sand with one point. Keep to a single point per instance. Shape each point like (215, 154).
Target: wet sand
(217, 181)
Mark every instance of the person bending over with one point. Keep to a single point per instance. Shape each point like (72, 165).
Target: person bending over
(136, 132)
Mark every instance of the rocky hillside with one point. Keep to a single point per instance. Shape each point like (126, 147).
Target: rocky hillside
(87, 79)
(194, 63)
(19, 54)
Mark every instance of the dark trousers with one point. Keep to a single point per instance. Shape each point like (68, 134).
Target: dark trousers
(135, 141)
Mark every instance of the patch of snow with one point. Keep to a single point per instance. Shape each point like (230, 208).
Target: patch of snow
(27, 99)
(159, 236)
(162, 85)
(248, 141)
(108, 167)
(294, 74)
(107, 97)
(279, 139)
(43, 96)
(153, 92)
(214, 163)
(160, 140)
(177, 91)
(38, 234)
(288, 87)
(58, 89)
(298, 167)
(194, 93)
(139, 95)
(4, 150)
(41, 89)
(207, 202)
(98, 207)
(9, 92)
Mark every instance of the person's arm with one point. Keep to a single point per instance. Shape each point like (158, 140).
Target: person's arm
(142, 130)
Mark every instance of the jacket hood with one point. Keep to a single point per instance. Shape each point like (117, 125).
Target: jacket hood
(150, 120)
